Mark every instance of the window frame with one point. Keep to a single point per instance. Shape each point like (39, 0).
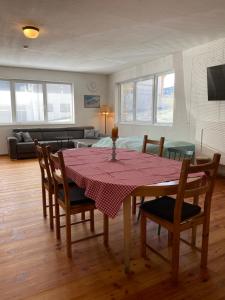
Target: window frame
(13, 82)
(154, 99)
(10, 90)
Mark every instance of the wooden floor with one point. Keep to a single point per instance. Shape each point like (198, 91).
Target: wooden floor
(34, 266)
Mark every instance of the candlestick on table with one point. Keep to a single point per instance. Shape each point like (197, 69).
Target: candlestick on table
(114, 138)
(115, 132)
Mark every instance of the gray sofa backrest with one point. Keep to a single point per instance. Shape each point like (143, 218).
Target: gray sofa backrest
(50, 134)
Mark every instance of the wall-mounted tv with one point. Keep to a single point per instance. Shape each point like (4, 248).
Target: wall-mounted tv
(216, 83)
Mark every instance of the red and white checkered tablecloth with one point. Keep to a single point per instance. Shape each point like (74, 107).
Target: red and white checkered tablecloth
(109, 183)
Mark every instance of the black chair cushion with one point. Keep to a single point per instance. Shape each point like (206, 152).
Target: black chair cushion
(164, 208)
(76, 196)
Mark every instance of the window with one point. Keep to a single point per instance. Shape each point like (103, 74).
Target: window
(5, 102)
(28, 102)
(127, 101)
(165, 98)
(144, 97)
(59, 101)
(64, 107)
(148, 100)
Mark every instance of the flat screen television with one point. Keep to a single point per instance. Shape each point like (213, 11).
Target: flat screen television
(216, 83)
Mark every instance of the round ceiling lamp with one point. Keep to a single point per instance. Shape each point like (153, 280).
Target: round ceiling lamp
(31, 32)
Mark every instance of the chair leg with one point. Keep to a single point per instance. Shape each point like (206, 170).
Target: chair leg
(44, 201)
(143, 235)
(68, 235)
(92, 221)
(50, 211)
(194, 228)
(175, 256)
(83, 216)
(134, 203)
(194, 234)
(139, 212)
(205, 241)
(159, 229)
(170, 238)
(106, 230)
(57, 220)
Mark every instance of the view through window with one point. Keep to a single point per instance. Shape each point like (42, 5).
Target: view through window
(29, 102)
(5, 102)
(148, 100)
(35, 102)
(165, 98)
(59, 102)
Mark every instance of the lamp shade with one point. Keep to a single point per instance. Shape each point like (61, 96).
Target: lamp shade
(31, 32)
(104, 109)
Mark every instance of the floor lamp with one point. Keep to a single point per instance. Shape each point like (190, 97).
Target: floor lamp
(105, 110)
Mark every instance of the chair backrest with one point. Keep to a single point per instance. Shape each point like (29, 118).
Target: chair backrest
(205, 188)
(58, 170)
(43, 163)
(160, 143)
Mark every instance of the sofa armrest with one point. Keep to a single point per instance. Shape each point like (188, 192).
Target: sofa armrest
(12, 145)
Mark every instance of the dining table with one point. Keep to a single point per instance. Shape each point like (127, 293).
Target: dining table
(112, 183)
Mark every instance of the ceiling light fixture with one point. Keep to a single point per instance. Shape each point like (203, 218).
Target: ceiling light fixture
(31, 32)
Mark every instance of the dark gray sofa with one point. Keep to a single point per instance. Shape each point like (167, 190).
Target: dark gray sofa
(46, 136)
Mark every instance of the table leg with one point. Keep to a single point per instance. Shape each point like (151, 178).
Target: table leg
(127, 232)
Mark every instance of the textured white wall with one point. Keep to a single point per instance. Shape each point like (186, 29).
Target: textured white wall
(206, 118)
(195, 118)
(83, 116)
(180, 125)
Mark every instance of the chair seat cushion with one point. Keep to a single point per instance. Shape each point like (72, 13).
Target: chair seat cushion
(164, 208)
(76, 196)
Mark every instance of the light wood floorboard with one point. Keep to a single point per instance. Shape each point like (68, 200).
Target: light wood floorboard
(34, 266)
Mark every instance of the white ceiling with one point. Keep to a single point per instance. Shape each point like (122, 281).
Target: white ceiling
(104, 36)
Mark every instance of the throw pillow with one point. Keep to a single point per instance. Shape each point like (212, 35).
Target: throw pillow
(19, 136)
(97, 134)
(89, 133)
(27, 137)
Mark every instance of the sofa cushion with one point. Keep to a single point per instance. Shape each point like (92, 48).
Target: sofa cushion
(56, 145)
(53, 144)
(51, 135)
(89, 133)
(36, 135)
(97, 134)
(76, 134)
(19, 136)
(26, 136)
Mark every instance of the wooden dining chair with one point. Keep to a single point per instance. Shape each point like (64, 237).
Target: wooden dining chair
(146, 142)
(72, 200)
(179, 154)
(46, 182)
(177, 215)
(159, 143)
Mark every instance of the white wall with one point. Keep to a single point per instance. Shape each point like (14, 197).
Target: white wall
(206, 118)
(195, 118)
(180, 125)
(83, 116)
(193, 112)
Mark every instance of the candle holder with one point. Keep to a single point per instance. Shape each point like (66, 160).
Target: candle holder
(114, 149)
